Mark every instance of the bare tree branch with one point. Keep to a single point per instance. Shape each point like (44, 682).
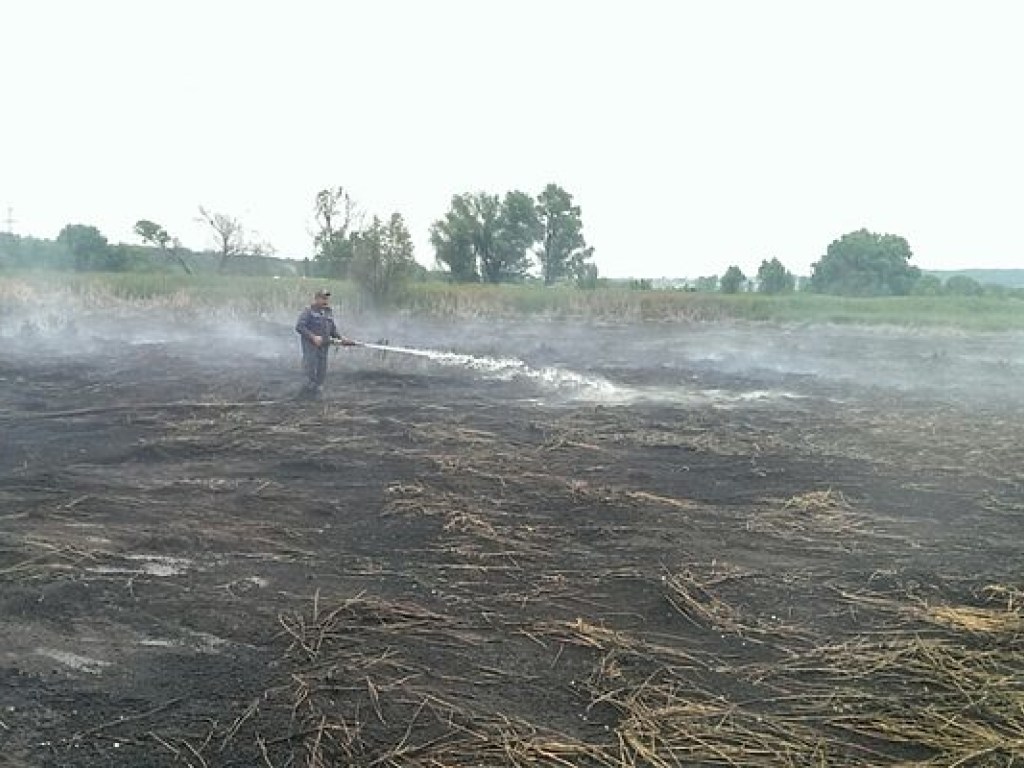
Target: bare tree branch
(230, 236)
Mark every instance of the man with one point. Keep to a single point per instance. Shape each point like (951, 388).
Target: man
(317, 329)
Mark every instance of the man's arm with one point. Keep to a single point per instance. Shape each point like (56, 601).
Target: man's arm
(302, 327)
(337, 338)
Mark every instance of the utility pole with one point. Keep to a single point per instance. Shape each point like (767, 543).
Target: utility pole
(9, 221)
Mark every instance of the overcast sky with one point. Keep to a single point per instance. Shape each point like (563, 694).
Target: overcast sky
(694, 135)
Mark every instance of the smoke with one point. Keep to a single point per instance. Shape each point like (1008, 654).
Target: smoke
(720, 365)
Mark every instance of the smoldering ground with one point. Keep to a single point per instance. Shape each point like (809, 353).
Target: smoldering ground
(616, 361)
(549, 543)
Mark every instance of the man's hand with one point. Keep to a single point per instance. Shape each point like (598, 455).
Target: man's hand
(318, 341)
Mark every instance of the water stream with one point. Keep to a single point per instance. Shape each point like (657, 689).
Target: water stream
(507, 368)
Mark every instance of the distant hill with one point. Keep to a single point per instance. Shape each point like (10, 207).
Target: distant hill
(1011, 278)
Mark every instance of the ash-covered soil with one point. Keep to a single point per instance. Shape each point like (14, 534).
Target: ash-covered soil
(606, 546)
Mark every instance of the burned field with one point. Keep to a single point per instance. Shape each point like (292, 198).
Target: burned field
(667, 559)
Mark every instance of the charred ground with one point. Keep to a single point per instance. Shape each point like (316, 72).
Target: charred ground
(729, 566)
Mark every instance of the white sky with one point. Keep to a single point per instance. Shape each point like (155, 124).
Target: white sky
(694, 135)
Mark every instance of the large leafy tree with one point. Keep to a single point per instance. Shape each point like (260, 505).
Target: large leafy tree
(482, 212)
(170, 247)
(86, 244)
(864, 263)
(732, 280)
(383, 257)
(773, 277)
(338, 218)
(455, 240)
(518, 231)
(485, 237)
(563, 251)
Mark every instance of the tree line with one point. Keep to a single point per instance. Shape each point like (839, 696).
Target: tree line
(84, 248)
(482, 238)
(860, 264)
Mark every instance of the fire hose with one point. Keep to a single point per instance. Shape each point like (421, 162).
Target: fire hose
(380, 346)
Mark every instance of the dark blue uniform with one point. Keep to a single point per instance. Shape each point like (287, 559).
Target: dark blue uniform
(315, 321)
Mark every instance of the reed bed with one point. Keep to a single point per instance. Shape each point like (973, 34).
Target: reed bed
(266, 296)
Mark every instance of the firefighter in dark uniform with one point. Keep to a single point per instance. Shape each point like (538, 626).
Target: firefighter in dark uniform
(317, 330)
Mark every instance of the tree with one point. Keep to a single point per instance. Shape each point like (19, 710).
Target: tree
(732, 280)
(863, 263)
(337, 218)
(232, 240)
(86, 244)
(962, 285)
(383, 257)
(928, 285)
(485, 237)
(563, 250)
(155, 235)
(773, 277)
(481, 212)
(518, 231)
(707, 284)
(455, 241)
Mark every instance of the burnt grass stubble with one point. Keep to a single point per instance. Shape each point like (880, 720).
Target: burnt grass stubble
(430, 568)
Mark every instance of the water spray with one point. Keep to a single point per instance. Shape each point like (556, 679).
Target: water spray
(495, 367)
